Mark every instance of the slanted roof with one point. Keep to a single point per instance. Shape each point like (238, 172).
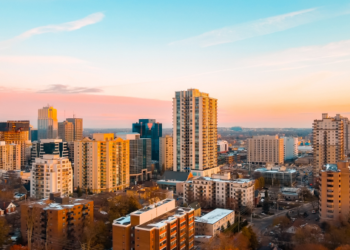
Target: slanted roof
(195, 205)
(178, 176)
(5, 204)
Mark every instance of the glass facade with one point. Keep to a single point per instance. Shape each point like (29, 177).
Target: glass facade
(47, 123)
(140, 155)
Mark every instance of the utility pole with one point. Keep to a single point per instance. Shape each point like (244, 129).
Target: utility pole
(239, 217)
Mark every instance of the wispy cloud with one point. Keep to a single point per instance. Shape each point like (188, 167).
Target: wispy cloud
(252, 29)
(69, 26)
(65, 89)
(40, 60)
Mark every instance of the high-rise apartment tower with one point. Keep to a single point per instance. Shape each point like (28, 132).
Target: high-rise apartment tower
(47, 123)
(166, 151)
(264, 149)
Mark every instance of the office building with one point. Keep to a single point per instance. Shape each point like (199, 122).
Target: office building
(222, 146)
(16, 132)
(101, 164)
(155, 227)
(149, 128)
(219, 192)
(140, 160)
(290, 148)
(264, 149)
(10, 156)
(330, 141)
(51, 174)
(58, 222)
(334, 203)
(70, 147)
(66, 131)
(166, 153)
(278, 175)
(47, 123)
(49, 147)
(213, 222)
(77, 128)
(194, 131)
(33, 134)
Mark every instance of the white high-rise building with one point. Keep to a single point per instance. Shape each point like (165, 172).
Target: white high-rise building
(51, 174)
(290, 148)
(222, 146)
(194, 131)
(47, 123)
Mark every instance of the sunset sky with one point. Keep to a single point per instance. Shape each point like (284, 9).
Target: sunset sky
(269, 63)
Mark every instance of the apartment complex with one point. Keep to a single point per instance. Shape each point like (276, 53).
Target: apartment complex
(334, 192)
(140, 159)
(290, 148)
(66, 131)
(55, 223)
(10, 156)
(222, 146)
(213, 222)
(278, 175)
(219, 193)
(101, 164)
(51, 174)
(49, 147)
(156, 227)
(194, 131)
(16, 132)
(166, 153)
(77, 128)
(330, 141)
(47, 123)
(149, 128)
(264, 149)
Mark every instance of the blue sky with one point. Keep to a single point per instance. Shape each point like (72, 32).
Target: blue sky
(265, 54)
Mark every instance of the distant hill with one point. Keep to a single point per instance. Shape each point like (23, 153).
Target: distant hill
(237, 129)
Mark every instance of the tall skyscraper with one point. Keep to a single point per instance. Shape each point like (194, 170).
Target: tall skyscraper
(47, 123)
(66, 131)
(166, 151)
(149, 128)
(330, 140)
(264, 149)
(77, 128)
(101, 164)
(194, 131)
(290, 148)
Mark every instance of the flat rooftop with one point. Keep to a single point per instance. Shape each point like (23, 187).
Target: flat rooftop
(265, 170)
(214, 216)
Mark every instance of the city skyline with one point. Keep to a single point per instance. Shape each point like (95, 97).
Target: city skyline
(269, 64)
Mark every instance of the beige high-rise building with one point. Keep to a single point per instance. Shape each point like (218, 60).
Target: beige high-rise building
(101, 164)
(334, 203)
(51, 174)
(166, 153)
(66, 131)
(194, 131)
(264, 149)
(10, 156)
(77, 128)
(330, 141)
(47, 123)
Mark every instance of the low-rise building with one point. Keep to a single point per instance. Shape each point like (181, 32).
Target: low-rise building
(212, 223)
(7, 207)
(278, 175)
(290, 194)
(156, 227)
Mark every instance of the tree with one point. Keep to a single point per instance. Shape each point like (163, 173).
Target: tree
(232, 203)
(251, 236)
(262, 181)
(310, 246)
(94, 236)
(30, 225)
(344, 247)
(227, 241)
(283, 221)
(4, 232)
(80, 193)
(266, 205)
(228, 224)
(122, 205)
(307, 235)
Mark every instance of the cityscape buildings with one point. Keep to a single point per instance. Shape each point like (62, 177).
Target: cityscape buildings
(155, 227)
(213, 222)
(290, 148)
(264, 149)
(194, 131)
(77, 128)
(10, 156)
(51, 174)
(47, 123)
(149, 128)
(275, 175)
(101, 164)
(140, 159)
(49, 146)
(66, 131)
(222, 146)
(166, 153)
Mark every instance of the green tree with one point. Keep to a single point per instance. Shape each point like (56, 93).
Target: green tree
(228, 224)
(251, 236)
(4, 232)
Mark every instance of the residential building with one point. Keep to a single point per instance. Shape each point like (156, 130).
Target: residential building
(334, 189)
(140, 160)
(194, 131)
(7, 207)
(149, 128)
(222, 146)
(264, 149)
(330, 141)
(57, 222)
(49, 147)
(101, 164)
(278, 175)
(66, 131)
(166, 153)
(70, 147)
(214, 222)
(155, 227)
(219, 193)
(10, 156)
(51, 174)
(173, 185)
(291, 194)
(290, 148)
(77, 128)
(47, 123)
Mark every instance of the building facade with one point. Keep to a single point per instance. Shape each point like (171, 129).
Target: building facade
(51, 174)
(330, 141)
(149, 128)
(49, 147)
(166, 153)
(101, 164)
(194, 131)
(57, 223)
(47, 123)
(77, 128)
(213, 222)
(66, 131)
(222, 146)
(264, 149)
(156, 227)
(290, 145)
(140, 160)
(278, 175)
(10, 156)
